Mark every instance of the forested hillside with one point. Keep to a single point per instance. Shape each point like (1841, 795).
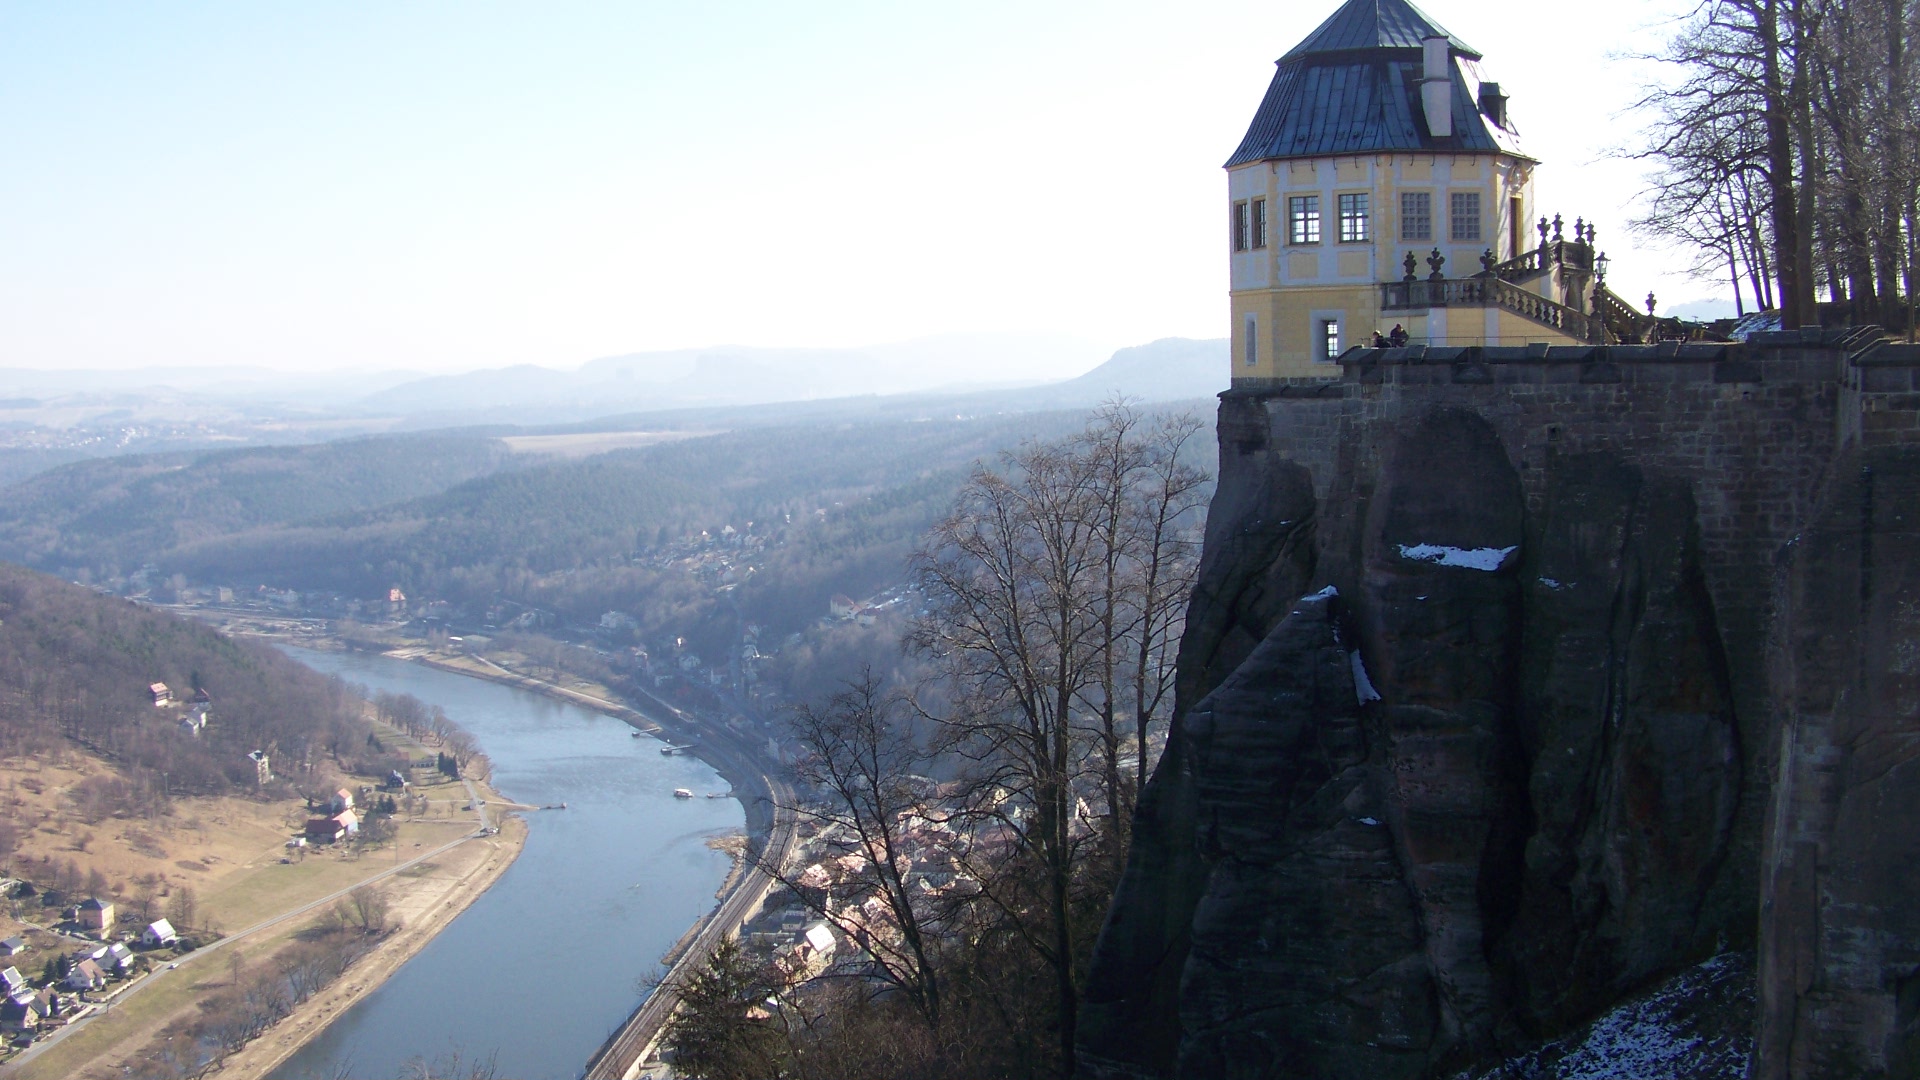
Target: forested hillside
(77, 664)
(834, 506)
(109, 516)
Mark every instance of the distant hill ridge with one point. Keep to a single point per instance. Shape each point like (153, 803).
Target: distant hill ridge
(1023, 372)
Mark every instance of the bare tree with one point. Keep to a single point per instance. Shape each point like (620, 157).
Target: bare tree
(862, 767)
(182, 906)
(366, 907)
(1049, 579)
(1798, 114)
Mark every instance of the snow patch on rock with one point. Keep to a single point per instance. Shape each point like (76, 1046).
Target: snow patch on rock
(1470, 558)
(1362, 686)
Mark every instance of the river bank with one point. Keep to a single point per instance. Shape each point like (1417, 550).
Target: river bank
(425, 892)
(433, 900)
(732, 754)
(714, 745)
(626, 867)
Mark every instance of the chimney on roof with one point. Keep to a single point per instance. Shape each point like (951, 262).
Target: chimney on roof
(1436, 86)
(1493, 104)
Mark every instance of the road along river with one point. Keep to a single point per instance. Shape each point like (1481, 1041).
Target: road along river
(546, 963)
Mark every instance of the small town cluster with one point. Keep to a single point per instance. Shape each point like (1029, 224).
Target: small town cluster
(87, 957)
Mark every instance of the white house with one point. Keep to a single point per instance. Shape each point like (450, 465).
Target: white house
(118, 957)
(820, 936)
(158, 933)
(85, 975)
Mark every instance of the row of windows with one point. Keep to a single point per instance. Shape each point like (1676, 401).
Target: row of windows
(1303, 218)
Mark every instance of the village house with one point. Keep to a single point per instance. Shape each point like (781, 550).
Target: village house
(162, 696)
(85, 975)
(116, 958)
(13, 946)
(158, 933)
(328, 829)
(842, 606)
(809, 957)
(12, 983)
(262, 768)
(25, 1012)
(95, 914)
(342, 800)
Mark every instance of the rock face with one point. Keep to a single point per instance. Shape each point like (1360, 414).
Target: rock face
(1840, 957)
(1477, 721)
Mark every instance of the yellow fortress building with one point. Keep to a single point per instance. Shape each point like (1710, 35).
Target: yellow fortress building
(1383, 184)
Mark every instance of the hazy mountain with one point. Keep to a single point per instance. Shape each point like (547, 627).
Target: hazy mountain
(1171, 369)
(31, 387)
(735, 375)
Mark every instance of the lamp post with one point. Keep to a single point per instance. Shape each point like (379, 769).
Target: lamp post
(1597, 330)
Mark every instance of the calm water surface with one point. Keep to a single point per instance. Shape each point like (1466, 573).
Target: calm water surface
(544, 965)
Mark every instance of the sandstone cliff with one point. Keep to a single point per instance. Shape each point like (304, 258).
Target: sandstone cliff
(1479, 715)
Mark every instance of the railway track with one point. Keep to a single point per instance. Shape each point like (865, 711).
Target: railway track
(624, 1053)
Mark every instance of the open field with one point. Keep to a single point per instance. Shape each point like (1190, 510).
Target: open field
(230, 853)
(423, 903)
(204, 843)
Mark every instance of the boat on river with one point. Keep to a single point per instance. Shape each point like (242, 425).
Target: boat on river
(682, 793)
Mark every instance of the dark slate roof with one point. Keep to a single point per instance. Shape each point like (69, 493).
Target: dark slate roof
(1376, 24)
(1353, 87)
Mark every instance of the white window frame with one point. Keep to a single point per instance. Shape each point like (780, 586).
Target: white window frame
(1455, 219)
(1317, 322)
(1303, 220)
(1425, 234)
(1355, 226)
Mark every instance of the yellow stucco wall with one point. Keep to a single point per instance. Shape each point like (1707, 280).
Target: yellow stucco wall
(1283, 293)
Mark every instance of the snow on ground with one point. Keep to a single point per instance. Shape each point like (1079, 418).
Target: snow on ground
(1695, 1026)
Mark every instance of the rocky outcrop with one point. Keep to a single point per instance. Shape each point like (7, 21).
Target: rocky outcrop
(1629, 712)
(1459, 765)
(1840, 919)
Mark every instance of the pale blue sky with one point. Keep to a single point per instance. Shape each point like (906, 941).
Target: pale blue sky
(453, 186)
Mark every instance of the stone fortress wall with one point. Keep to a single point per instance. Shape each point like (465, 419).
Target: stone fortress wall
(1587, 757)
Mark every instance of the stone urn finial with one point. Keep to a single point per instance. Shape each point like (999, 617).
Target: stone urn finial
(1434, 262)
(1412, 263)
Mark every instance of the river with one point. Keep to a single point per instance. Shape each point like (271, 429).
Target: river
(545, 964)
